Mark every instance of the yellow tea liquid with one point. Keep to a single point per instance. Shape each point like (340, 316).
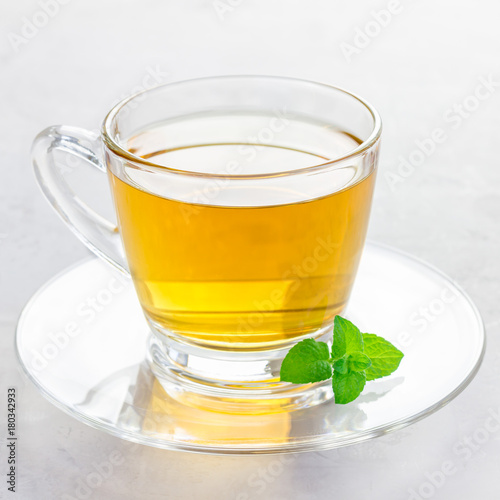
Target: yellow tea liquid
(239, 276)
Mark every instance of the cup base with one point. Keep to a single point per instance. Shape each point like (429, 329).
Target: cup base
(228, 381)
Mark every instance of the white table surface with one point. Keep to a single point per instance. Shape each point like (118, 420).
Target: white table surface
(430, 57)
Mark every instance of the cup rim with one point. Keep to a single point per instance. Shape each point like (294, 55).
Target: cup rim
(113, 145)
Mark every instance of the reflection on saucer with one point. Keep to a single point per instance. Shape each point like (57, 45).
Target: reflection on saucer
(167, 416)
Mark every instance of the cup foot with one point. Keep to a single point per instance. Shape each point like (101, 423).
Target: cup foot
(230, 382)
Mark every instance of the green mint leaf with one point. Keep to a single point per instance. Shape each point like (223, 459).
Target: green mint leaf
(306, 362)
(342, 365)
(346, 338)
(384, 356)
(355, 362)
(359, 361)
(347, 387)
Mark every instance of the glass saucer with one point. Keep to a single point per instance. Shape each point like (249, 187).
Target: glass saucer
(82, 340)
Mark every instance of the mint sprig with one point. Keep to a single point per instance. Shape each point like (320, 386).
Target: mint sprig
(355, 359)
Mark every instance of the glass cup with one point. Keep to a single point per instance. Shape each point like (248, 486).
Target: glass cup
(242, 205)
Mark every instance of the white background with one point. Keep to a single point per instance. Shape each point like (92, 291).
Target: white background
(430, 57)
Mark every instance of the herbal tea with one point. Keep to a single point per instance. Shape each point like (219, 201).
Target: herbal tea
(232, 266)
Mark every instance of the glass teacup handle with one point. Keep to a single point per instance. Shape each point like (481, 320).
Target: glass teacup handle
(96, 232)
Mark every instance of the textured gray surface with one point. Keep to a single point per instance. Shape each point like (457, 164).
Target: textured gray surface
(430, 57)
